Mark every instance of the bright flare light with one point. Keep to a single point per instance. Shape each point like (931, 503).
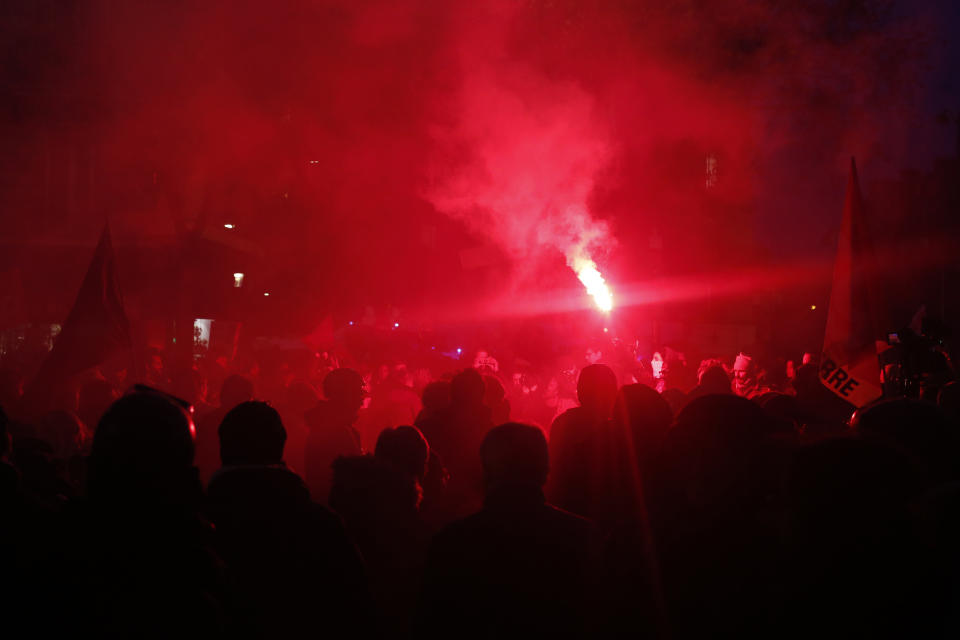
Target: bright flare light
(595, 284)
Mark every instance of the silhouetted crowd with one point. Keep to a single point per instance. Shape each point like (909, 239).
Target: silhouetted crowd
(394, 503)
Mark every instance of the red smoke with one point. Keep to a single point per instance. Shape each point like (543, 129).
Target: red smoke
(343, 136)
(518, 158)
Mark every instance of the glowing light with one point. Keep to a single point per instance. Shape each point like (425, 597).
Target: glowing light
(238, 280)
(396, 325)
(350, 323)
(459, 350)
(596, 286)
(266, 293)
(314, 162)
(229, 226)
(606, 330)
(813, 307)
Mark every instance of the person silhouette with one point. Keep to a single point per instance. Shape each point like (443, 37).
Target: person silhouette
(290, 558)
(920, 428)
(455, 432)
(331, 429)
(571, 435)
(519, 567)
(145, 559)
(378, 496)
(234, 390)
(856, 562)
(718, 471)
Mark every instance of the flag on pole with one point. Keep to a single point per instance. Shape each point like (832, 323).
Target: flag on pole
(849, 366)
(96, 328)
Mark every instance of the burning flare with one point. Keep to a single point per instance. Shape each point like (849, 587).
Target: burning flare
(595, 284)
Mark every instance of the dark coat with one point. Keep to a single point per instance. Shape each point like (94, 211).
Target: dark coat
(518, 568)
(290, 558)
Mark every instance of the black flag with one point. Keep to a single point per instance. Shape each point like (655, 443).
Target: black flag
(96, 328)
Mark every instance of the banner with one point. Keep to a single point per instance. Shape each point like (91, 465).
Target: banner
(849, 366)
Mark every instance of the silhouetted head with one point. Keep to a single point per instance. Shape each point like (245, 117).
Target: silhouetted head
(919, 427)
(235, 389)
(436, 395)
(344, 387)
(714, 379)
(848, 492)
(405, 449)
(897, 416)
(644, 412)
(143, 448)
(252, 433)
(705, 364)
(467, 388)
(515, 454)
(597, 389)
(781, 407)
(822, 473)
(806, 379)
(724, 418)
(723, 455)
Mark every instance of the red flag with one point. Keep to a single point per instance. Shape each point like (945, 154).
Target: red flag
(96, 328)
(849, 366)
